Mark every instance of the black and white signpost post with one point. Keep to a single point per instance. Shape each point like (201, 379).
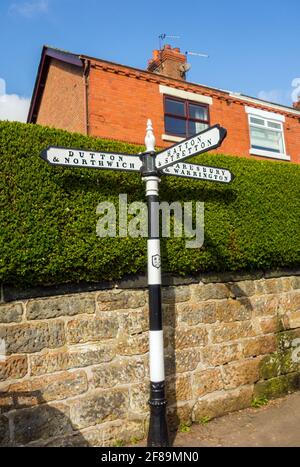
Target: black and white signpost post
(158, 431)
(152, 166)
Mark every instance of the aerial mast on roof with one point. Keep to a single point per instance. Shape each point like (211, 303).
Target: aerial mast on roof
(164, 36)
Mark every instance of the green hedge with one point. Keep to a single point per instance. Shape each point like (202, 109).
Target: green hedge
(48, 214)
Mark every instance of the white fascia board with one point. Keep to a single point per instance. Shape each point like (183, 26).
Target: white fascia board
(190, 96)
(264, 114)
(252, 100)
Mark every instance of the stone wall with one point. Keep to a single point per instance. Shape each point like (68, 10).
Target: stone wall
(76, 365)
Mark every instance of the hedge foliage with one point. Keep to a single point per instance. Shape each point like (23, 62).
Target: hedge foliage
(48, 214)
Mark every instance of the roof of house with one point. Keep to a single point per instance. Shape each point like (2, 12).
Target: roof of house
(78, 60)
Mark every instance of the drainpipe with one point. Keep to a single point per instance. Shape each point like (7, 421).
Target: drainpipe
(86, 72)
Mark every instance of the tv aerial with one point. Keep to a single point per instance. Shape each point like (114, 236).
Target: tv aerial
(164, 36)
(197, 54)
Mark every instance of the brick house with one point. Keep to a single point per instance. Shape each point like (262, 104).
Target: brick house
(109, 100)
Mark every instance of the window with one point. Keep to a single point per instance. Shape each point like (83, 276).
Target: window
(184, 118)
(266, 134)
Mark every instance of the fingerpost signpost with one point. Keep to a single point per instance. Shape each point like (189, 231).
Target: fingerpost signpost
(152, 166)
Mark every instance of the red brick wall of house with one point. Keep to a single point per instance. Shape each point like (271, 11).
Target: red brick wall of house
(121, 100)
(62, 104)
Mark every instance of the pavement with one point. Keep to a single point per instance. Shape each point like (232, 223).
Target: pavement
(276, 424)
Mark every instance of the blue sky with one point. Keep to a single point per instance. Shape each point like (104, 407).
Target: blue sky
(253, 45)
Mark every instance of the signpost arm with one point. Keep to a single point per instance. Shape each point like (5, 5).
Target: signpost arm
(158, 431)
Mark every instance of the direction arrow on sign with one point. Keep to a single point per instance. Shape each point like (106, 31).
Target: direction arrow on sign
(204, 141)
(213, 174)
(91, 159)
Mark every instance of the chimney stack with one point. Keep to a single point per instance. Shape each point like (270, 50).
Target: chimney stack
(168, 62)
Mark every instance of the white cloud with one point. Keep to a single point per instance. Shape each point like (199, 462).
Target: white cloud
(278, 96)
(30, 8)
(12, 106)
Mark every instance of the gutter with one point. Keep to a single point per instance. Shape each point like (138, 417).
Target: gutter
(86, 72)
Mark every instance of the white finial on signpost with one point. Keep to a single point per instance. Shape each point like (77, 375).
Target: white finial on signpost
(150, 138)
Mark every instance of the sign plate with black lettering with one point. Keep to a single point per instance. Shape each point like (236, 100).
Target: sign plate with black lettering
(206, 140)
(199, 172)
(91, 159)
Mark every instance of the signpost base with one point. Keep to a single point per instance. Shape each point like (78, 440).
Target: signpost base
(158, 430)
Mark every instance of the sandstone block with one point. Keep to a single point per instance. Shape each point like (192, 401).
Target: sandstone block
(266, 305)
(290, 360)
(77, 440)
(41, 423)
(170, 314)
(259, 345)
(139, 396)
(222, 402)
(233, 310)
(292, 320)
(118, 373)
(269, 324)
(107, 435)
(68, 305)
(134, 322)
(270, 366)
(98, 407)
(182, 361)
(176, 294)
(193, 313)
(232, 331)
(4, 431)
(287, 339)
(241, 373)
(241, 288)
(190, 337)
(133, 345)
(278, 387)
(11, 313)
(13, 367)
(91, 329)
(178, 414)
(271, 286)
(120, 299)
(210, 292)
(290, 302)
(78, 356)
(179, 389)
(215, 355)
(36, 391)
(295, 282)
(33, 337)
(206, 381)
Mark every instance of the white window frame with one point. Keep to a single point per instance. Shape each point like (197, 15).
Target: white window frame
(267, 117)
